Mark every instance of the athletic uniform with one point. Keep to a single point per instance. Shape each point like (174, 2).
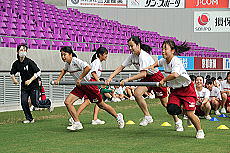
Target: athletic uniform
(27, 69)
(140, 63)
(225, 86)
(75, 68)
(215, 93)
(201, 95)
(182, 89)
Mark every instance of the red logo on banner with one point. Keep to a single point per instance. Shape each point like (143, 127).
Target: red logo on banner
(203, 19)
(203, 63)
(207, 3)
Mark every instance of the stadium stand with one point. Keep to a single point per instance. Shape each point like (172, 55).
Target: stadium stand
(44, 26)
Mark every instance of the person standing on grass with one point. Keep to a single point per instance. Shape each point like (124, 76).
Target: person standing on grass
(203, 106)
(181, 88)
(80, 71)
(29, 73)
(141, 59)
(95, 72)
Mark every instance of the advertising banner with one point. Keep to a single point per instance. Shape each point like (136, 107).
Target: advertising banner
(207, 3)
(156, 3)
(226, 63)
(203, 63)
(188, 62)
(97, 3)
(212, 21)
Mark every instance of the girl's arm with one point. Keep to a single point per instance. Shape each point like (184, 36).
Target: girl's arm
(63, 72)
(170, 77)
(153, 66)
(140, 75)
(94, 74)
(117, 71)
(84, 73)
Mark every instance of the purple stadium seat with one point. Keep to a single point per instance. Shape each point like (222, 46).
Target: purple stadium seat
(8, 42)
(21, 34)
(10, 32)
(56, 45)
(30, 34)
(20, 41)
(21, 27)
(40, 35)
(67, 44)
(32, 44)
(2, 31)
(3, 25)
(42, 44)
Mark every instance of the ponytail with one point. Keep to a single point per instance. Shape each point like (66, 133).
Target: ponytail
(137, 41)
(146, 48)
(178, 49)
(99, 51)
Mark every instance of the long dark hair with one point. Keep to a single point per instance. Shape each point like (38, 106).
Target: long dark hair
(99, 51)
(137, 41)
(178, 49)
(69, 50)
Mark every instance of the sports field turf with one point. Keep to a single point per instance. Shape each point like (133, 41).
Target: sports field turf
(49, 135)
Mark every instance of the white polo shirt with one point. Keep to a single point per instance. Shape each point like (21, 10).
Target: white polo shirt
(96, 66)
(225, 86)
(215, 93)
(183, 80)
(201, 95)
(76, 67)
(140, 62)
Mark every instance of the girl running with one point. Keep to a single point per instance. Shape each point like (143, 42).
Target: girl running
(80, 71)
(141, 59)
(182, 89)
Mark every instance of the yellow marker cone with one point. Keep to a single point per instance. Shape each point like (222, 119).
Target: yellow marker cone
(166, 124)
(191, 126)
(130, 122)
(223, 127)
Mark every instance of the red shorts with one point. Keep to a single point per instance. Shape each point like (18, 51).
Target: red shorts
(88, 91)
(160, 92)
(185, 95)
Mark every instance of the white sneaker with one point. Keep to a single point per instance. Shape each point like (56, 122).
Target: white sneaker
(114, 100)
(185, 117)
(75, 126)
(217, 112)
(132, 98)
(98, 121)
(120, 121)
(200, 134)
(51, 108)
(32, 108)
(146, 120)
(152, 96)
(118, 99)
(208, 117)
(179, 126)
(223, 110)
(28, 121)
(71, 121)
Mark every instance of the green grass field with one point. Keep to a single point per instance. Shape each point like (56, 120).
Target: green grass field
(49, 135)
